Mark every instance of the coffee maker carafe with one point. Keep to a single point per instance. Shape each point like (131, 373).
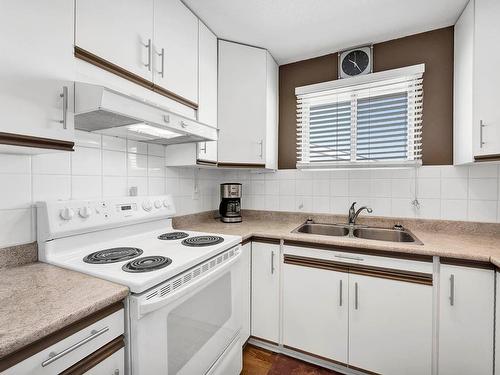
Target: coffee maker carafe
(230, 205)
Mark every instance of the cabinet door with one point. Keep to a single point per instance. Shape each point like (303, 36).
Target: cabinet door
(487, 78)
(113, 365)
(207, 91)
(265, 291)
(176, 49)
(119, 31)
(246, 277)
(36, 64)
(315, 311)
(242, 103)
(390, 326)
(466, 325)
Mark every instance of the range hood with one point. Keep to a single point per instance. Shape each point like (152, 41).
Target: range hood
(102, 110)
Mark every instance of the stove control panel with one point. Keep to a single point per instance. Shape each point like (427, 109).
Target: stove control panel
(61, 218)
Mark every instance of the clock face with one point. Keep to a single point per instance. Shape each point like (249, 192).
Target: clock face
(355, 62)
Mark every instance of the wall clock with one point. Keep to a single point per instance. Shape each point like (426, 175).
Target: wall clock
(355, 61)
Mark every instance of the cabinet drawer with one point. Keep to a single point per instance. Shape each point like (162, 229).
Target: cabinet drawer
(65, 353)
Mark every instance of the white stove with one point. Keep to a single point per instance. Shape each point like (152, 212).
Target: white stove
(184, 284)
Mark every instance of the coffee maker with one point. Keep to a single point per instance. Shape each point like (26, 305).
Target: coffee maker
(230, 206)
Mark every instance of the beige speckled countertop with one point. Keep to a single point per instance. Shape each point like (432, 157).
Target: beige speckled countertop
(461, 240)
(38, 299)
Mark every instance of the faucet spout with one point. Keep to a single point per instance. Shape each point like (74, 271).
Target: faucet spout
(353, 214)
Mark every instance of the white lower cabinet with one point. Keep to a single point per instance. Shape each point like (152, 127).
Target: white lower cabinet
(390, 326)
(315, 311)
(265, 291)
(246, 289)
(466, 321)
(113, 365)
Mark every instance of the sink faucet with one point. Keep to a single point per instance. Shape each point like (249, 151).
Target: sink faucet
(353, 214)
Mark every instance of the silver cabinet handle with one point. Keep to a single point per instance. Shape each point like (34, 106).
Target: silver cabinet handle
(272, 262)
(116, 372)
(64, 96)
(452, 290)
(162, 55)
(340, 293)
(148, 46)
(348, 257)
(184, 124)
(261, 143)
(55, 356)
(204, 148)
(355, 296)
(481, 127)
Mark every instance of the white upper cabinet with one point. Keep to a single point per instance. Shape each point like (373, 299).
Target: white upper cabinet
(476, 109)
(487, 78)
(119, 31)
(36, 70)
(175, 49)
(466, 321)
(247, 115)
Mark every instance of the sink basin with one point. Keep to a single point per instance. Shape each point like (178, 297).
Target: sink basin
(323, 229)
(381, 234)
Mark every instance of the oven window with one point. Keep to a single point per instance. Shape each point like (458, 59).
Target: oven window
(197, 321)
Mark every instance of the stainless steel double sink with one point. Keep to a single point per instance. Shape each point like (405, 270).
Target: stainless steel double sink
(359, 231)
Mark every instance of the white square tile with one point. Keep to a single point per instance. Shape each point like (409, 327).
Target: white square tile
(156, 185)
(137, 147)
(87, 139)
(141, 183)
(403, 173)
(287, 202)
(451, 171)
(186, 186)
(339, 205)
(12, 163)
(360, 174)
(55, 163)
(287, 174)
(483, 210)
(321, 204)
(402, 208)
(257, 187)
(453, 209)
(15, 191)
(272, 203)
(156, 166)
(454, 188)
(431, 171)
(114, 186)
(287, 187)
(114, 143)
(86, 161)
(360, 201)
(303, 203)
(272, 187)
(114, 163)
(321, 188)
(429, 209)
(259, 202)
(381, 173)
(483, 188)
(16, 227)
(402, 188)
(86, 187)
(137, 165)
(172, 186)
(381, 206)
(483, 171)
(337, 174)
(51, 187)
(339, 188)
(156, 150)
(359, 187)
(303, 187)
(429, 188)
(380, 188)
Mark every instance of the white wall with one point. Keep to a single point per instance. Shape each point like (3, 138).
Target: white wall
(444, 192)
(100, 167)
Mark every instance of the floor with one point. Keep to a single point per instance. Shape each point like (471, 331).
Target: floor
(257, 361)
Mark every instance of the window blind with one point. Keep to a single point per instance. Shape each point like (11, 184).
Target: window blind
(368, 122)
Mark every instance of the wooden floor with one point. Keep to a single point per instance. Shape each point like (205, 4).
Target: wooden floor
(257, 361)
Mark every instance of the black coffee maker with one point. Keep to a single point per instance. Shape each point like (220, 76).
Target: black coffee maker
(230, 205)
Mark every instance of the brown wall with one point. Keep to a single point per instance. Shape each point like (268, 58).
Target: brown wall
(434, 48)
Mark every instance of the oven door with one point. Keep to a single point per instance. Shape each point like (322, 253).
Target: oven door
(188, 330)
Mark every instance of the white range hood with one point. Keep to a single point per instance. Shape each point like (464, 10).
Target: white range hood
(102, 110)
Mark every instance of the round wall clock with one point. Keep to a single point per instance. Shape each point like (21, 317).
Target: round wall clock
(355, 61)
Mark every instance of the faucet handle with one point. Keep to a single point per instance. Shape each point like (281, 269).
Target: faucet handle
(352, 205)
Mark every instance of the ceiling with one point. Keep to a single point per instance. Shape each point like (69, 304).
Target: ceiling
(294, 30)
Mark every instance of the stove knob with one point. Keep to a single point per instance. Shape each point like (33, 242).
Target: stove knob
(158, 204)
(166, 204)
(147, 206)
(67, 213)
(85, 212)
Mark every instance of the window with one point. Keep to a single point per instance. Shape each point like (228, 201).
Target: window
(371, 120)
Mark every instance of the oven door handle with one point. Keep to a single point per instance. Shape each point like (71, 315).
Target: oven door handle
(155, 304)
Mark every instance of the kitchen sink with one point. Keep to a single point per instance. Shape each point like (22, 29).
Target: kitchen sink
(383, 234)
(368, 233)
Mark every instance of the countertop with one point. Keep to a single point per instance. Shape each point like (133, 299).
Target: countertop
(453, 239)
(38, 299)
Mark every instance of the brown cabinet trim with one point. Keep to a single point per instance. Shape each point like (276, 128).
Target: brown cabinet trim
(95, 358)
(43, 343)
(274, 241)
(357, 269)
(492, 157)
(93, 59)
(467, 263)
(240, 165)
(36, 142)
(358, 250)
(244, 242)
(206, 162)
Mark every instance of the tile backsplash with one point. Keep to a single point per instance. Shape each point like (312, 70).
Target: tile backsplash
(100, 167)
(105, 166)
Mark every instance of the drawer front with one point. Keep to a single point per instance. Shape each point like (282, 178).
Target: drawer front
(72, 349)
(113, 365)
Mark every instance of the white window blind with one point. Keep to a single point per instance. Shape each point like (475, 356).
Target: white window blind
(370, 120)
